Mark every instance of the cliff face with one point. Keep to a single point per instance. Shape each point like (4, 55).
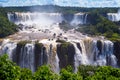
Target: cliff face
(65, 54)
(68, 17)
(117, 51)
(99, 46)
(38, 55)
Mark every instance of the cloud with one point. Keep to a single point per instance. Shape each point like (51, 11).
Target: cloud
(79, 3)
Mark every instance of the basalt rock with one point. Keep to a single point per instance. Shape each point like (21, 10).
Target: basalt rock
(117, 51)
(65, 53)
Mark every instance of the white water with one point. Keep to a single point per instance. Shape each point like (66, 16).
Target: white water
(8, 48)
(57, 68)
(114, 16)
(88, 55)
(79, 18)
(44, 20)
(79, 58)
(36, 21)
(51, 50)
(35, 16)
(27, 57)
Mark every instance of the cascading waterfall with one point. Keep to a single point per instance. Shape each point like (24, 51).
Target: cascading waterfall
(94, 52)
(51, 51)
(79, 57)
(53, 59)
(87, 51)
(27, 57)
(114, 16)
(9, 48)
(57, 68)
(111, 59)
(79, 18)
(41, 18)
(35, 21)
(33, 17)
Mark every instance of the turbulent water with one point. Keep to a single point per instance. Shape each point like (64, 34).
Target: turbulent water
(79, 50)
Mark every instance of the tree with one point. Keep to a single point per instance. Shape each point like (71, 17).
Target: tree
(105, 73)
(44, 73)
(86, 71)
(67, 74)
(8, 70)
(26, 74)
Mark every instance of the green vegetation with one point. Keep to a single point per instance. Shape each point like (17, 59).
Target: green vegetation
(6, 27)
(44, 73)
(10, 71)
(23, 43)
(67, 74)
(38, 45)
(60, 41)
(99, 25)
(96, 16)
(65, 44)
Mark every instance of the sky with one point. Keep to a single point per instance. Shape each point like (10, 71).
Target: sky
(78, 3)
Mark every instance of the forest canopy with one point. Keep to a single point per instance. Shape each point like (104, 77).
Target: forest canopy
(10, 71)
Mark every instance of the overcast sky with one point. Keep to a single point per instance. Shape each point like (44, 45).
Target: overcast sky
(79, 3)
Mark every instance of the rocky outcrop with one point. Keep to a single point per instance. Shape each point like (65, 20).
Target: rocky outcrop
(17, 54)
(117, 51)
(65, 53)
(38, 54)
(99, 46)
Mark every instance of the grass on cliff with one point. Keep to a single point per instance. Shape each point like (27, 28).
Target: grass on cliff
(23, 43)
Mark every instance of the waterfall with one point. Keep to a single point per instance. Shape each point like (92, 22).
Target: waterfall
(53, 59)
(79, 57)
(9, 48)
(57, 68)
(31, 18)
(86, 51)
(94, 52)
(34, 16)
(35, 21)
(79, 18)
(105, 54)
(27, 57)
(114, 16)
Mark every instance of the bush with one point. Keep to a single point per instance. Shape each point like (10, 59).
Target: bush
(8, 70)
(44, 73)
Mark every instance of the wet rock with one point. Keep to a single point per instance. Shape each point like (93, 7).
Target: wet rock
(117, 51)
(65, 53)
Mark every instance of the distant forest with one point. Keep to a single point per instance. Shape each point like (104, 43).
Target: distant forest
(54, 8)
